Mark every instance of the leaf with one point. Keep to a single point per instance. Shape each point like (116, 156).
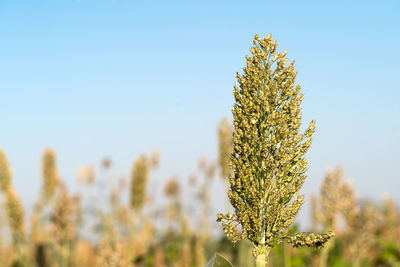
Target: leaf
(218, 261)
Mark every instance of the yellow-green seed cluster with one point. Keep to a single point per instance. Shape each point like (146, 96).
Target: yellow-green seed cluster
(15, 215)
(268, 161)
(333, 199)
(139, 177)
(5, 173)
(309, 239)
(49, 172)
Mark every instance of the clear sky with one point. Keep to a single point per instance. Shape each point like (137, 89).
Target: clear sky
(118, 78)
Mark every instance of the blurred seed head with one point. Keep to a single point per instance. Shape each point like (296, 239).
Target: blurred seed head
(106, 163)
(139, 178)
(49, 172)
(332, 196)
(172, 188)
(15, 215)
(111, 252)
(360, 236)
(65, 217)
(155, 158)
(391, 219)
(5, 172)
(86, 174)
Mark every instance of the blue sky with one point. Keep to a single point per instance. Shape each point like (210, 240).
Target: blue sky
(118, 78)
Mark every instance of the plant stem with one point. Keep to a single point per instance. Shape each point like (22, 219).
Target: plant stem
(261, 260)
(325, 253)
(286, 256)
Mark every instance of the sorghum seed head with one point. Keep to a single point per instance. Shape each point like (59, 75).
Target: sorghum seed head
(139, 177)
(5, 172)
(49, 172)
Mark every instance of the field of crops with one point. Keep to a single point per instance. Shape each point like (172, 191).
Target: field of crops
(67, 229)
(145, 220)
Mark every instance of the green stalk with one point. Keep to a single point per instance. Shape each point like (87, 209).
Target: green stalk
(286, 256)
(325, 253)
(132, 237)
(261, 260)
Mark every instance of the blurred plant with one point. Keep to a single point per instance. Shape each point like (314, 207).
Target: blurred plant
(172, 188)
(14, 212)
(362, 225)
(391, 217)
(86, 174)
(15, 216)
(186, 252)
(139, 178)
(106, 163)
(330, 200)
(5, 172)
(159, 258)
(49, 172)
(155, 158)
(65, 220)
(331, 205)
(138, 194)
(111, 252)
(84, 254)
(199, 252)
(144, 239)
(268, 154)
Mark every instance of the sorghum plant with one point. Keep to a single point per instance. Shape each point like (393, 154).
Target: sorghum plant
(139, 178)
(49, 172)
(111, 251)
(5, 173)
(65, 220)
(362, 222)
(14, 211)
(138, 193)
(331, 204)
(391, 221)
(268, 161)
(331, 194)
(172, 191)
(86, 174)
(15, 216)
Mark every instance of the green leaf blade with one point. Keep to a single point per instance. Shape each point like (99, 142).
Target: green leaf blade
(218, 261)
